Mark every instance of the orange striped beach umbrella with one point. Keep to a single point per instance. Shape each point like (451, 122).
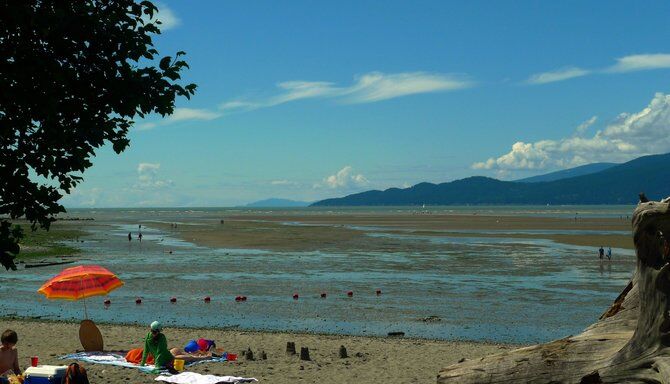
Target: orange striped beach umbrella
(80, 282)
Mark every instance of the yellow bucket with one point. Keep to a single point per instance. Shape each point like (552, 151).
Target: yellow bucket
(179, 364)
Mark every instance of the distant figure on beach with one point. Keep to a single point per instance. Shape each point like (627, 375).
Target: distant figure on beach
(140, 237)
(221, 221)
(609, 253)
(601, 253)
(130, 236)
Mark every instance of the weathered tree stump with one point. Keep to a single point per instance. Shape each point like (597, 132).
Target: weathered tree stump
(290, 348)
(304, 354)
(629, 344)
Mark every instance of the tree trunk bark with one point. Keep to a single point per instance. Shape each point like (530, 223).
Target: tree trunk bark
(630, 343)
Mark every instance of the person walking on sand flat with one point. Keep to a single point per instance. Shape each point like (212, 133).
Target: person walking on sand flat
(601, 253)
(130, 236)
(609, 253)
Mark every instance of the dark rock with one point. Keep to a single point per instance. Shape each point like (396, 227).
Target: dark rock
(343, 352)
(304, 354)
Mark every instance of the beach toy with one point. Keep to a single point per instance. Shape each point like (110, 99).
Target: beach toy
(138, 301)
(378, 292)
(173, 299)
(295, 296)
(232, 356)
(178, 364)
(34, 360)
(191, 347)
(323, 295)
(350, 293)
(107, 302)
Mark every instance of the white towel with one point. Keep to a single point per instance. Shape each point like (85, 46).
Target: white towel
(196, 378)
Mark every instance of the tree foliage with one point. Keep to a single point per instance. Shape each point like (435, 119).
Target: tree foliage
(73, 77)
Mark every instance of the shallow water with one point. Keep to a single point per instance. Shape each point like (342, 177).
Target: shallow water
(499, 289)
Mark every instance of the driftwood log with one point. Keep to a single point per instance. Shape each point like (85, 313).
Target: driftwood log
(630, 343)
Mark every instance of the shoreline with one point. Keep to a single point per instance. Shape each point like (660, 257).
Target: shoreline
(237, 328)
(371, 359)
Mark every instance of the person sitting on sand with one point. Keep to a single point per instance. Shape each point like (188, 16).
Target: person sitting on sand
(9, 356)
(156, 344)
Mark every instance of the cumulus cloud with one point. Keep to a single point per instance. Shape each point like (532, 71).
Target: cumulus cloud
(631, 63)
(147, 177)
(558, 75)
(630, 135)
(345, 178)
(371, 87)
(581, 128)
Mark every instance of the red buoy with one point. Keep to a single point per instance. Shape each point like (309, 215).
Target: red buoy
(173, 299)
(295, 296)
(207, 299)
(350, 293)
(238, 298)
(323, 295)
(378, 292)
(138, 301)
(244, 298)
(108, 301)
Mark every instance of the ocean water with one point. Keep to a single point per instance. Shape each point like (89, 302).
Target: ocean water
(514, 290)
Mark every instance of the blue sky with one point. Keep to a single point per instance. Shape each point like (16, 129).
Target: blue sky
(308, 100)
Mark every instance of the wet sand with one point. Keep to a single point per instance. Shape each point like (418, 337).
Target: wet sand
(371, 360)
(349, 231)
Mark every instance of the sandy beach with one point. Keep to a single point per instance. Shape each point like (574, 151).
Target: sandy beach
(371, 360)
(311, 232)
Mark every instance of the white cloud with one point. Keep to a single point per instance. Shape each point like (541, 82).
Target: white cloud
(183, 114)
(147, 177)
(284, 182)
(581, 128)
(377, 86)
(630, 135)
(624, 64)
(371, 87)
(166, 16)
(343, 179)
(180, 115)
(640, 63)
(559, 75)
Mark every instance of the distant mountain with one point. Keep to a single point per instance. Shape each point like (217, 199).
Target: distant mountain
(619, 184)
(277, 203)
(567, 173)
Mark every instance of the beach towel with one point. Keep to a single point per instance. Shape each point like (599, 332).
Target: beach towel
(120, 360)
(196, 378)
(135, 356)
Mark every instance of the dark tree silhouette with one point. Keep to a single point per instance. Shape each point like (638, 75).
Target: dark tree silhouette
(73, 77)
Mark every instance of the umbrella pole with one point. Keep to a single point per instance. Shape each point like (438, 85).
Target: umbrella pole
(85, 312)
